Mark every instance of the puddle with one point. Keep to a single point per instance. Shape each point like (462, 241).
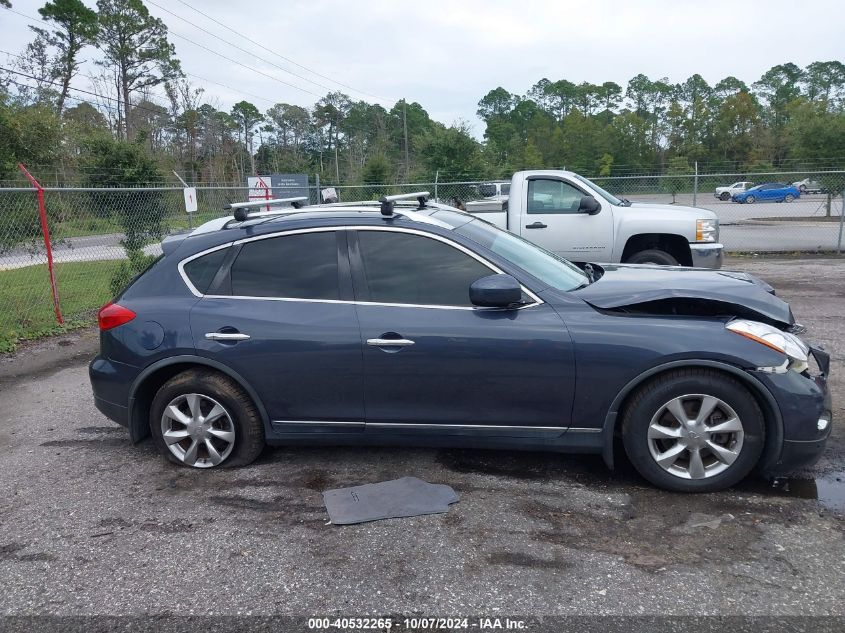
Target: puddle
(829, 490)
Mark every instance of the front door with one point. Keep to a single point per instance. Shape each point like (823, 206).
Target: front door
(552, 220)
(283, 318)
(432, 361)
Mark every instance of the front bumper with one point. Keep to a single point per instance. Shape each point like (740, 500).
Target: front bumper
(803, 403)
(707, 255)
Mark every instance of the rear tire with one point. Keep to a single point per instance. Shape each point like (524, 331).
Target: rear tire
(652, 256)
(789, 198)
(677, 455)
(750, 200)
(209, 421)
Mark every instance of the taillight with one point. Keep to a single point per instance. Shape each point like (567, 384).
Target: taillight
(111, 315)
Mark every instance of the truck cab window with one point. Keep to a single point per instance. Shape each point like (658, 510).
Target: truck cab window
(552, 196)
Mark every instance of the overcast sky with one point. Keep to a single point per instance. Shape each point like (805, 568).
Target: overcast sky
(448, 54)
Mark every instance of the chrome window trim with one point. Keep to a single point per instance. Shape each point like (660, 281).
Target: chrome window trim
(322, 229)
(184, 275)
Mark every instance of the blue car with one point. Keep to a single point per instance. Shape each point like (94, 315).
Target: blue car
(769, 192)
(420, 325)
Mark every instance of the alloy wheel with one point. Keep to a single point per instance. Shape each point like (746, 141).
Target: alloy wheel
(695, 436)
(198, 430)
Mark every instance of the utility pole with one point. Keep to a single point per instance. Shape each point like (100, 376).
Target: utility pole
(405, 126)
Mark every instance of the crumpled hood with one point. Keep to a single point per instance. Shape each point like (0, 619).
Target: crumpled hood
(744, 295)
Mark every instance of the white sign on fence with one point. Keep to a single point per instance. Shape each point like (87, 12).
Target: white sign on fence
(190, 199)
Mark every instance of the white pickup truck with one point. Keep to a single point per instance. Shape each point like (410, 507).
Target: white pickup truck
(726, 193)
(567, 214)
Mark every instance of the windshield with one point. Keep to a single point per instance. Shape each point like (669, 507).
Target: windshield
(604, 194)
(545, 266)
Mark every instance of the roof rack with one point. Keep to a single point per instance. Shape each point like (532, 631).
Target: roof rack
(241, 209)
(387, 201)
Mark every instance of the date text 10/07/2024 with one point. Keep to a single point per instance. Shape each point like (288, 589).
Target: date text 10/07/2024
(417, 624)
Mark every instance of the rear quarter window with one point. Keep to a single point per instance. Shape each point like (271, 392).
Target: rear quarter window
(201, 270)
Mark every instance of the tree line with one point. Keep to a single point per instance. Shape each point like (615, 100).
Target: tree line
(120, 131)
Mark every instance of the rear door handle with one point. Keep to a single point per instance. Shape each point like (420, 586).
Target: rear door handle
(536, 225)
(389, 342)
(226, 336)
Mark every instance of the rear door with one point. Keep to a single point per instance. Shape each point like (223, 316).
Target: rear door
(280, 314)
(552, 220)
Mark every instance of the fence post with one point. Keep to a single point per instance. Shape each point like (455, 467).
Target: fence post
(695, 185)
(317, 186)
(841, 220)
(45, 231)
(436, 178)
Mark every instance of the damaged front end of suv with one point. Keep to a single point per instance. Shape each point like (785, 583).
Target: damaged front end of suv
(752, 330)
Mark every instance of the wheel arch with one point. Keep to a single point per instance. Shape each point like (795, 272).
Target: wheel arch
(676, 245)
(771, 411)
(149, 381)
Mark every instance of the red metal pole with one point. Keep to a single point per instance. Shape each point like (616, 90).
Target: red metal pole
(45, 230)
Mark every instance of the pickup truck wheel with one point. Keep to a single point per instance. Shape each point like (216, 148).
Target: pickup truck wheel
(652, 256)
(724, 196)
(693, 430)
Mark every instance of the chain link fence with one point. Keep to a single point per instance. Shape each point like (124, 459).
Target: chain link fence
(100, 238)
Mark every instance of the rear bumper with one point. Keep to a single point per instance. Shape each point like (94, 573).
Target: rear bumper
(112, 411)
(110, 381)
(707, 255)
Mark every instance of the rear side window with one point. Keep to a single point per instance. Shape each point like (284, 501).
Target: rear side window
(411, 269)
(302, 266)
(201, 270)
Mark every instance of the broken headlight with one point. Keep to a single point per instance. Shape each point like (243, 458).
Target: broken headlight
(796, 350)
(707, 230)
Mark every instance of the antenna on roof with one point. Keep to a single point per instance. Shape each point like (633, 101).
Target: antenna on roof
(387, 201)
(241, 209)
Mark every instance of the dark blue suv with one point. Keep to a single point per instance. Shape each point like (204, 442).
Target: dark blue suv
(422, 325)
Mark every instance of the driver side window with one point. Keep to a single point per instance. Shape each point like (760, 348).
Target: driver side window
(552, 196)
(402, 268)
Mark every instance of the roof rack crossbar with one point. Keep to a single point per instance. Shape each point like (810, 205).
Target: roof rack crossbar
(241, 209)
(387, 201)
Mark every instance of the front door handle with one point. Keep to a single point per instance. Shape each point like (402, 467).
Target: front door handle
(536, 225)
(226, 336)
(389, 342)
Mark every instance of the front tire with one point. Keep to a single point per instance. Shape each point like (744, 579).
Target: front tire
(789, 198)
(652, 256)
(203, 419)
(693, 430)
(725, 196)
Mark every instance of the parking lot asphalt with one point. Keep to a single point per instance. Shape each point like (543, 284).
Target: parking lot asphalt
(90, 524)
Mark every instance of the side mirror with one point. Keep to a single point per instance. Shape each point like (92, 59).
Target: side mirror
(589, 205)
(495, 291)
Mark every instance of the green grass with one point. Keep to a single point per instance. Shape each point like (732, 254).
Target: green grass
(26, 306)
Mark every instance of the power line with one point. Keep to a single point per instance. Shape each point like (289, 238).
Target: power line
(253, 96)
(250, 68)
(287, 59)
(238, 47)
(87, 92)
